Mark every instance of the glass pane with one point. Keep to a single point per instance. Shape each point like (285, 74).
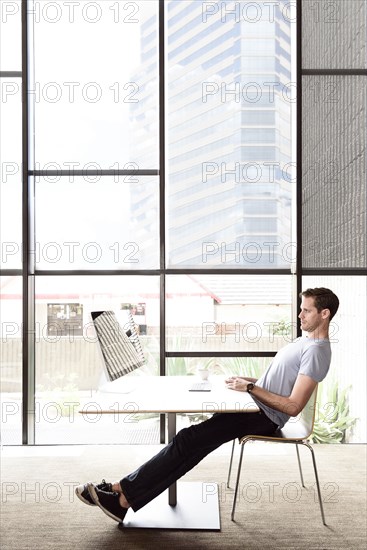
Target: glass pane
(348, 365)
(10, 36)
(69, 368)
(96, 93)
(334, 171)
(11, 360)
(95, 222)
(11, 173)
(228, 312)
(334, 34)
(228, 135)
(217, 366)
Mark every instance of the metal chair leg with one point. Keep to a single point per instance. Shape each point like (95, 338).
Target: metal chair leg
(299, 465)
(237, 483)
(230, 464)
(300, 470)
(317, 480)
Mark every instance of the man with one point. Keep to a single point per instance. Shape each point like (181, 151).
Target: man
(281, 392)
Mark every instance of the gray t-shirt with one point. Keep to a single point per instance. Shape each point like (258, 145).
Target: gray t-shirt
(305, 355)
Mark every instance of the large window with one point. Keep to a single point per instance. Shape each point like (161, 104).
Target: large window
(218, 142)
(333, 206)
(11, 292)
(228, 313)
(11, 360)
(97, 222)
(95, 105)
(150, 164)
(69, 368)
(11, 171)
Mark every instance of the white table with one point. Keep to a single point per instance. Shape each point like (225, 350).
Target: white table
(192, 505)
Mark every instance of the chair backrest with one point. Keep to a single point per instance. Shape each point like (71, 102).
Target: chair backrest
(301, 427)
(121, 351)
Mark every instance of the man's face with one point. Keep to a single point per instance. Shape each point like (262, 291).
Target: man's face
(310, 318)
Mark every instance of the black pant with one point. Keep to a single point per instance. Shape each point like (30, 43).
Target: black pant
(186, 450)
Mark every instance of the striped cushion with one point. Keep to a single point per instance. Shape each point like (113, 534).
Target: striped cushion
(121, 353)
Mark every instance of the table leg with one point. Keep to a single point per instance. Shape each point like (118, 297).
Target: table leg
(172, 490)
(197, 507)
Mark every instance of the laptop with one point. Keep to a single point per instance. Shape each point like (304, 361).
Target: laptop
(120, 351)
(202, 385)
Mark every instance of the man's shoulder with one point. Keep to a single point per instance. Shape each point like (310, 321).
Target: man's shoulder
(317, 343)
(310, 347)
(305, 341)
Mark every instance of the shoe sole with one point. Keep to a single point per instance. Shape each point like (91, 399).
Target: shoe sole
(94, 497)
(78, 491)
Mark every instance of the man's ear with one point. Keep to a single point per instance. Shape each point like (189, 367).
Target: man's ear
(325, 313)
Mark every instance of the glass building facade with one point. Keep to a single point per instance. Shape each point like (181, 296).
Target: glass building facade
(229, 100)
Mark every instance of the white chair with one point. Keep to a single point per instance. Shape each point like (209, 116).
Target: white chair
(295, 432)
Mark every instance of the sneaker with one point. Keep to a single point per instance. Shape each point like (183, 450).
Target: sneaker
(108, 502)
(83, 494)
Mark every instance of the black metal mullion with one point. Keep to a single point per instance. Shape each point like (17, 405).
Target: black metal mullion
(334, 72)
(162, 182)
(162, 208)
(93, 172)
(299, 235)
(28, 305)
(93, 272)
(11, 272)
(350, 271)
(347, 271)
(10, 74)
(334, 271)
(220, 353)
(24, 226)
(227, 271)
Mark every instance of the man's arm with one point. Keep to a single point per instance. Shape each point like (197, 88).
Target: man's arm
(292, 405)
(247, 378)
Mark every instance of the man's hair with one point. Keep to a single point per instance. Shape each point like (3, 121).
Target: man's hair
(324, 298)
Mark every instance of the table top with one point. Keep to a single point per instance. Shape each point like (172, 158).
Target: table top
(168, 394)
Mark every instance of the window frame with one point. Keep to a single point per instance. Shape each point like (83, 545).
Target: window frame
(29, 272)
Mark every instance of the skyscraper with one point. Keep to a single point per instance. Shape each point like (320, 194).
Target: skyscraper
(229, 98)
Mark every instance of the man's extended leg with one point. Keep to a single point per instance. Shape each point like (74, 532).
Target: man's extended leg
(186, 450)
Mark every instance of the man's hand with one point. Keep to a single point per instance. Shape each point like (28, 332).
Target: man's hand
(291, 405)
(238, 383)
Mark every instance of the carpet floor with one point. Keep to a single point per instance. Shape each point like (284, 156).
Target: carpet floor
(39, 510)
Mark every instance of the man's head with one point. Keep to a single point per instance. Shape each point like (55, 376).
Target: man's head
(323, 298)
